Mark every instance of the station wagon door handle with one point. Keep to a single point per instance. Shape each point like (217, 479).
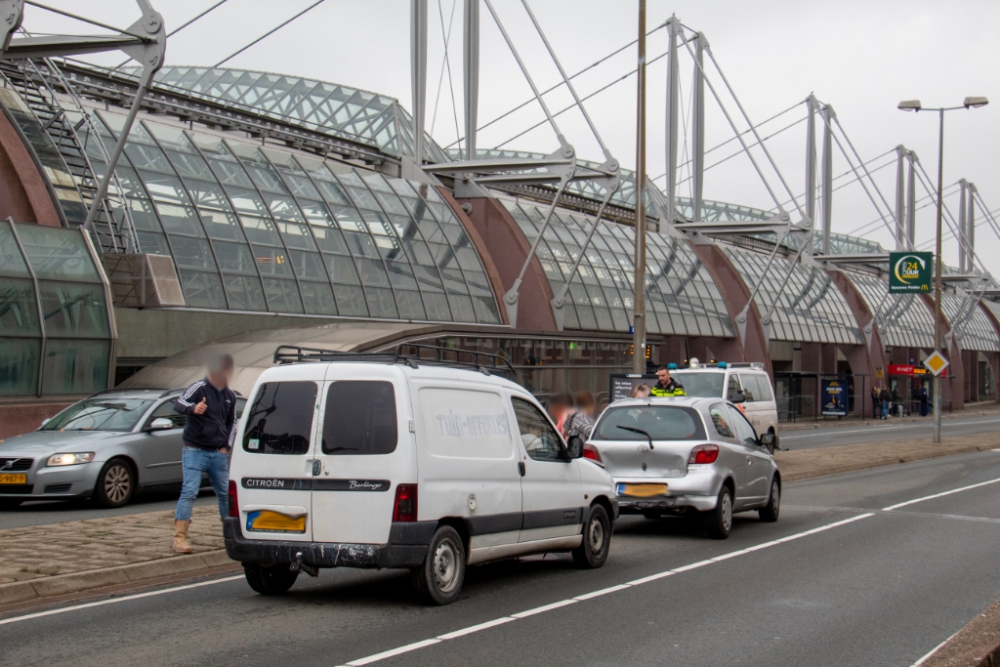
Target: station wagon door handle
(520, 467)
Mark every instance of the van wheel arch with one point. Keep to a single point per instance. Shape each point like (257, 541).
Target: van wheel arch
(606, 504)
(461, 527)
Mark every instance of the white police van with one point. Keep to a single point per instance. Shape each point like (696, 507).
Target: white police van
(374, 461)
(746, 384)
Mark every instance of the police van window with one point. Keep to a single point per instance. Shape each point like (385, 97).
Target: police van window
(360, 418)
(721, 419)
(280, 419)
(763, 388)
(734, 386)
(749, 383)
(540, 440)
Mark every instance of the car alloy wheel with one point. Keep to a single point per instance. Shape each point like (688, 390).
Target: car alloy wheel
(117, 483)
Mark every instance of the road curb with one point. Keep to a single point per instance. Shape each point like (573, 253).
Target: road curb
(36, 589)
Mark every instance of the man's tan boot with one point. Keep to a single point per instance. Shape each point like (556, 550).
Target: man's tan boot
(181, 544)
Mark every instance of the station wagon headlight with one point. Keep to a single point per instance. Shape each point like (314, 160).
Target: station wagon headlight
(70, 459)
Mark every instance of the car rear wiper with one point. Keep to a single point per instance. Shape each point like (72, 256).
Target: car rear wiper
(640, 432)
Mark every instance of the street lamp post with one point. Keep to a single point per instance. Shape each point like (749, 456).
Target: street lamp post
(915, 106)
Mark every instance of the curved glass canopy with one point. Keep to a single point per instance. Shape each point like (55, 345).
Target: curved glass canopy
(975, 329)
(259, 229)
(348, 113)
(809, 309)
(681, 297)
(905, 319)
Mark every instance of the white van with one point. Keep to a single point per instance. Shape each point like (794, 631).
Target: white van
(406, 462)
(729, 381)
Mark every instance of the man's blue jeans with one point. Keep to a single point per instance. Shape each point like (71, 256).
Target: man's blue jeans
(195, 462)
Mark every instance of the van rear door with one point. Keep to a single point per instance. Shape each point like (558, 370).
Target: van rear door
(364, 450)
(273, 467)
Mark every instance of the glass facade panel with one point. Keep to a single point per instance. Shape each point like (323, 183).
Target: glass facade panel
(18, 308)
(19, 366)
(904, 319)
(75, 367)
(57, 255)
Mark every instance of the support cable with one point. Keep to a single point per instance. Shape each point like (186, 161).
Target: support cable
(849, 172)
(928, 202)
(746, 117)
(177, 29)
(144, 38)
(549, 90)
(268, 33)
(892, 214)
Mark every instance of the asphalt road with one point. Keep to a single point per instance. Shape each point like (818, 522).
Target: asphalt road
(875, 431)
(846, 577)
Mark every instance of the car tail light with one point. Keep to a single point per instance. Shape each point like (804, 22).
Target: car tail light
(704, 454)
(234, 501)
(590, 452)
(405, 507)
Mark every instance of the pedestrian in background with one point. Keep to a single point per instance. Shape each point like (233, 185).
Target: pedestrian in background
(582, 419)
(665, 385)
(875, 403)
(641, 391)
(210, 406)
(886, 398)
(922, 395)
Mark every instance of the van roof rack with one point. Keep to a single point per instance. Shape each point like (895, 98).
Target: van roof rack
(410, 354)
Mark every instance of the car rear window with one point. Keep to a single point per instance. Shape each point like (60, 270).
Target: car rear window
(360, 418)
(280, 420)
(660, 422)
(703, 385)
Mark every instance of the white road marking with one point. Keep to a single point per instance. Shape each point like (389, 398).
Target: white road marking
(938, 495)
(464, 632)
(933, 651)
(101, 603)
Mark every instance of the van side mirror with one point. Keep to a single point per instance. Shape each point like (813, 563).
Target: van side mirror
(574, 446)
(737, 397)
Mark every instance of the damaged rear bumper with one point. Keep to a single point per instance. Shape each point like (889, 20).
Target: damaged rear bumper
(407, 547)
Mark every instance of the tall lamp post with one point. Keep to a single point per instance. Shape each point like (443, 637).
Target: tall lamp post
(914, 105)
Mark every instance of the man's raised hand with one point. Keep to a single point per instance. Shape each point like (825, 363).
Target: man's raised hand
(201, 407)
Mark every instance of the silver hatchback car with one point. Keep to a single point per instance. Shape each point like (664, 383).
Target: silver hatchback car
(107, 447)
(686, 456)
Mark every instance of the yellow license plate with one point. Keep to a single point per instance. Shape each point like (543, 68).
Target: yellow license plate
(642, 490)
(268, 521)
(13, 479)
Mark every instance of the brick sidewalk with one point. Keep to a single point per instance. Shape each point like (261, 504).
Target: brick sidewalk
(77, 546)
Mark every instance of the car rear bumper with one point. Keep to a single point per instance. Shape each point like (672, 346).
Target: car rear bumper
(679, 502)
(407, 547)
(698, 490)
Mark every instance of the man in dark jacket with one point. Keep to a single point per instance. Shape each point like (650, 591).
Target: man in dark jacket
(210, 406)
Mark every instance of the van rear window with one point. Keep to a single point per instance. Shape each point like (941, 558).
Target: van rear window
(360, 418)
(281, 418)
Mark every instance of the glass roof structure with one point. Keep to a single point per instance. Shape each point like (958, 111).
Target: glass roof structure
(681, 297)
(348, 113)
(810, 309)
(976, 329)
(906, 319)
(56, 330)
(259, 229)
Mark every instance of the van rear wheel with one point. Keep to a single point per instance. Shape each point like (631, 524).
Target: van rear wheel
(269, 579)
(439, 580)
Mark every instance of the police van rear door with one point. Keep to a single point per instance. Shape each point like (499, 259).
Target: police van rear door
(273, 462)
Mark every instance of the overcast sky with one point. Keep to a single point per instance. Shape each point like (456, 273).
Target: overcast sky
(860, 56)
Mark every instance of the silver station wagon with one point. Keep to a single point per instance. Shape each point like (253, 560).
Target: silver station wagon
(686, 456)
(107, 447)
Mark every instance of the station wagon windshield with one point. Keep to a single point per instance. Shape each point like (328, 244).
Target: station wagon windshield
(107, 414)
(702, 385)
(660, 422)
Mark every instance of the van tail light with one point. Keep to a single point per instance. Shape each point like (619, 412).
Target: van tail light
(590, 452)
(405, 507)
(704, 454)
(234, 501)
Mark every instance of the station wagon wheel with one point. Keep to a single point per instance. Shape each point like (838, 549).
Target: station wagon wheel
(115, 484)
(439, 579)
(719, 521)
(593, 551)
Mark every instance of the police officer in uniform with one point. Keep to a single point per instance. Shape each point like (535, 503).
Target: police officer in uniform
(666, 386)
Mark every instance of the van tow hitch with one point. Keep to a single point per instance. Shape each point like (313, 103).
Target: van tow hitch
(299, 566)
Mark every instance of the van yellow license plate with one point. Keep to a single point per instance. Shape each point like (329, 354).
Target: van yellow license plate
(7, 478)
(642, 490)
(268, 521)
